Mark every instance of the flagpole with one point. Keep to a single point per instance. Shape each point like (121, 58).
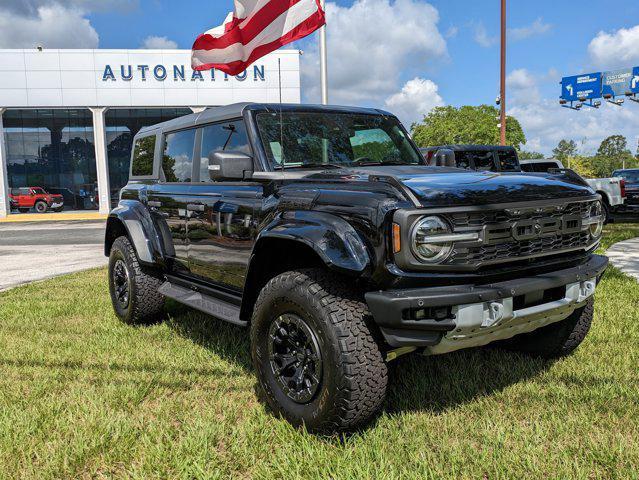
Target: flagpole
(323, 60)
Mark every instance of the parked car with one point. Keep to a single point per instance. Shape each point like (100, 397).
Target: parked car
(631, 178)
(37, 198)
(320, 229)
(612, 190)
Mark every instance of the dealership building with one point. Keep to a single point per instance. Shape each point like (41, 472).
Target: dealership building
(68, 117)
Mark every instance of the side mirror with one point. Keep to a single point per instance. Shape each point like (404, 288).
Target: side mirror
(230, 166)
(444, 157)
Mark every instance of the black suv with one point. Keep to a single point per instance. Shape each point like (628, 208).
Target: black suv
(321, 230)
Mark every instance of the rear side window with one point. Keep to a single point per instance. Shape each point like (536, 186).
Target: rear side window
(143, 154)
(507, 161)
(222, 137)
(177, 161)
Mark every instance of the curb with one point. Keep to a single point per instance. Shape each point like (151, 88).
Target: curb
(625, 256)
(52, 217)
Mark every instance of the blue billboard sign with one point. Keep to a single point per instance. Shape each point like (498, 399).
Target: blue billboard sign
(581, 87)
(619, 82)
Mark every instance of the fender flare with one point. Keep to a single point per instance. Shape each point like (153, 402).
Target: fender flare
(140, 229)
(331, 237)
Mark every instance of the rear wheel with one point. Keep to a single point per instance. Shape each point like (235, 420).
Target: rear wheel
(558, 339)
(41, 207)
(316, 360)
(133, 289)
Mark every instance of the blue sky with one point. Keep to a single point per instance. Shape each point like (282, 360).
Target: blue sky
(404, 55)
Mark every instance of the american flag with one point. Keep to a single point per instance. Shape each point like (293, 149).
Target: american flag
(254, 29)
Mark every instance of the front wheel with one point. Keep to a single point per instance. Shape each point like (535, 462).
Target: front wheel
(316, 360)
(133, 289)
(41, 207)
(557, 339)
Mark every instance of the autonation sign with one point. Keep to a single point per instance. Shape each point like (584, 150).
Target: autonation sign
(176, 73)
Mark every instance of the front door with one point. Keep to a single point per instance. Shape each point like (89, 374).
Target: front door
(168, 199)
(221, 226)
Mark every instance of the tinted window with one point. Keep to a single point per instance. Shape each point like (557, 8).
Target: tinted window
(177, 161)
(629, 176)
(476, 160)
(143, 154)
(507, 161)
(220, 137)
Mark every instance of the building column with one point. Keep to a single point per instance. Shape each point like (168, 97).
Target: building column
(5, 207)
(101, 159)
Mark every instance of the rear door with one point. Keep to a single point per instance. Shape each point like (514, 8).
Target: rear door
(168, 198)
(221, 227)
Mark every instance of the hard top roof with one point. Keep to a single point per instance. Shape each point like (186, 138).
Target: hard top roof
(235, 110)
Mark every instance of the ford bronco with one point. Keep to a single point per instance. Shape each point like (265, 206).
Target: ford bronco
(37, 198)
(321, 230)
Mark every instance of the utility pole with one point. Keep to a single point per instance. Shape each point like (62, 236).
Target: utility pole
(503, 74)
(323, 59)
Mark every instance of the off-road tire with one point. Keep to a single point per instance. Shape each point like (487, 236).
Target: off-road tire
(558, 339)
(41, 207)
(145, 304)
(606, 211)
(354, 374)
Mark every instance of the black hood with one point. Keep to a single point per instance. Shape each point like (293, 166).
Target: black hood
(436, 186)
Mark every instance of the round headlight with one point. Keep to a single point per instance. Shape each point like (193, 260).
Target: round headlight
(425, 244)
(597, 219)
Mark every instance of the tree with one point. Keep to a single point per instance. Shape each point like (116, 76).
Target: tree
(524, 155)
(565, 150)
(467, 124)
(614, 146)
(613, 154)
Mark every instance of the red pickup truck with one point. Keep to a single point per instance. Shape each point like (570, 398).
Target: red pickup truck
(27, 198)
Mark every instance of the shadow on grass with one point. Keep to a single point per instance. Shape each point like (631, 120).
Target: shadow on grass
(417, 383)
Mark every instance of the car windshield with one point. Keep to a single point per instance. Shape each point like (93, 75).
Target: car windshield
(630, 176)
(38, 191)
(333, 140)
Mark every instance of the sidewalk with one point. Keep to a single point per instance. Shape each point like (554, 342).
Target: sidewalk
(625, 256)
(53, 217)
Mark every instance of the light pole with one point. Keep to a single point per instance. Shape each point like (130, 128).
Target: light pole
(323, 60)
(503, 75)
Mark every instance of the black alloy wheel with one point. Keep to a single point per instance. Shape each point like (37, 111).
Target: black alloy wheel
(121, 284)
(295, 357)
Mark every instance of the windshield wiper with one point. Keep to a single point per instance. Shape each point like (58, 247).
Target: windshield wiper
(371, 163)
(320, 165)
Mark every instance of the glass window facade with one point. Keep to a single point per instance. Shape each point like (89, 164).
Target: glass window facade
(53, 149)
(122, 124)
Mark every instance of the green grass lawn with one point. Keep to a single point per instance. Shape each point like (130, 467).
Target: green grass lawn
(84, 396)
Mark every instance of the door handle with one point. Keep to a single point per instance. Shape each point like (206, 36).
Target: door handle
(192, 207)
(154, 204)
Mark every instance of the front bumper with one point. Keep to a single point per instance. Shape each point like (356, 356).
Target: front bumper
(443, 319)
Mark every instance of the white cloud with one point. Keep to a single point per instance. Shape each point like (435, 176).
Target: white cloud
(452, 32)
(615, 49)
(482, 38)
(416, 98)
(159, 43)
(545, 123)
(538, 27)
(522, 86)
(53, 26)
(370, 44)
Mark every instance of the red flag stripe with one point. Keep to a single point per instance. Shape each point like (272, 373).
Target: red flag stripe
(305, 28)
(244, 34)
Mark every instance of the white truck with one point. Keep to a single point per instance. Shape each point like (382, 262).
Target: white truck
(612, 190)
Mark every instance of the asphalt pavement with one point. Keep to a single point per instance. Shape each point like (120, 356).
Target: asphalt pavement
(36, 251)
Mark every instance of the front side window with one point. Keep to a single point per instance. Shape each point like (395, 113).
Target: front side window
(316, 139)
(222, 137)
(177, 161)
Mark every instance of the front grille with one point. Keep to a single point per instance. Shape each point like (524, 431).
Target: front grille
(511, 234)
